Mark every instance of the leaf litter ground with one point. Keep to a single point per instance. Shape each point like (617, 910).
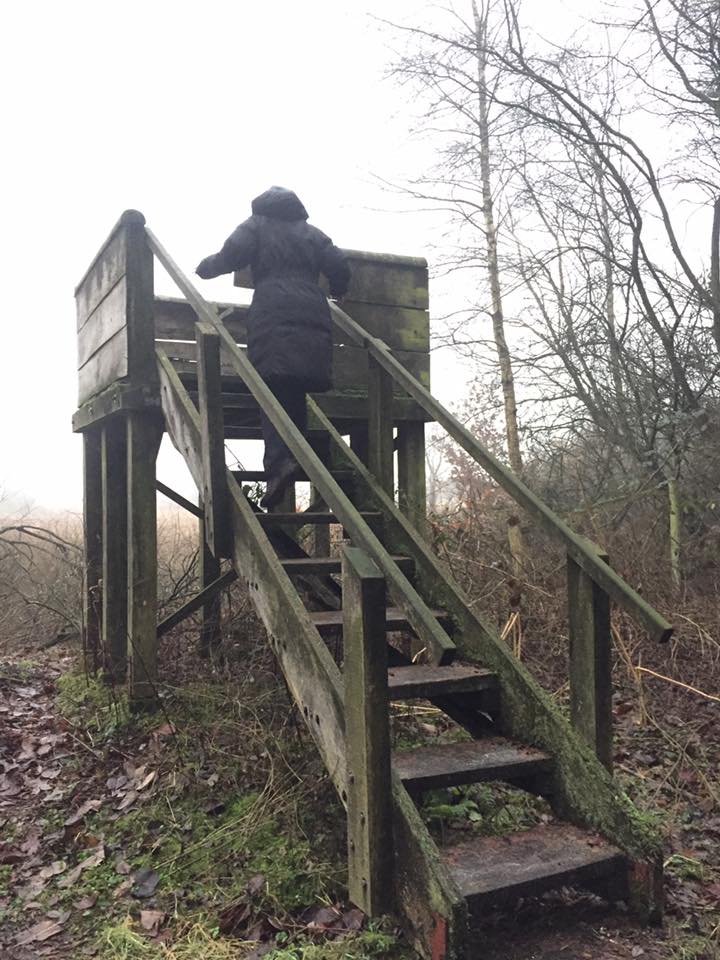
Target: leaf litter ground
(209, 829)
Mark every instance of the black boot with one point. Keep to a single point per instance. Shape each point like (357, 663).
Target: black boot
(288, 473)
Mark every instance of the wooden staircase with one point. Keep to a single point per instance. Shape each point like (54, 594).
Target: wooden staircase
(386, 580)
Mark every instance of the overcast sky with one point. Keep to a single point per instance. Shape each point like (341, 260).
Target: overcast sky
(184, 111)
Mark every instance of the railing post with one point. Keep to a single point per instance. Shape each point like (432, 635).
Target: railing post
(380, 425)
(590, 660)
(412, 493)
(209, 571)
(214, 493)
(367, 733)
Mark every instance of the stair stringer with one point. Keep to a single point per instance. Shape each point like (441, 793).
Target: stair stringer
(432, 905)
(583, 791)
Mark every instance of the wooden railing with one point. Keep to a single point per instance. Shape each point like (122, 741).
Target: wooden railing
(592, 582)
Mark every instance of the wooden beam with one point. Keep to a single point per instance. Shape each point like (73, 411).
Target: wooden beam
(179, 499)
(117, 398)
(214, 494)
(92, 539)
(195, 603)
(412, 493)
(209, 572)
(367, 734)
(380, 426)
(114, 547)
(590, 661)
(144, 433)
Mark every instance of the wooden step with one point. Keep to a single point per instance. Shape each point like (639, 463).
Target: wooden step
(477, 761)
(326, 565)
(494, 870)
(301, 517)
(260, 476)
(327, 620)
(423, 682)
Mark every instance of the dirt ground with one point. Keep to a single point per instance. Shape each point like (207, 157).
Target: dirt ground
(60, 880)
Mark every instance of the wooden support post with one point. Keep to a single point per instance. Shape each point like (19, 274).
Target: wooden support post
(359, 441)
(214, 495)
(210, 615)
(92, 532)
(114, 547)
(412, 493)
(321, 531)
(590, 661)
(380, 425)
(144, 432)
(367, 732)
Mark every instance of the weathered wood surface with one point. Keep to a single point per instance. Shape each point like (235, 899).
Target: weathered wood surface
(209, 571)
(439, 644)
(116, 398)
(140, 304)
(367, 734)
(590, 661)
(350, 365)
(92, 541)
(214, 493)
(412, 491)
(381, 450)
(202, 598)
(402, 328)
(495, 870)
(424, 681)
(108, 364)
(181, 418)
(600, 572)
(103, 274)
(582, 789)
(143, 441)
(378, 278)
(114, 547)
(108, 318)
(475, 761)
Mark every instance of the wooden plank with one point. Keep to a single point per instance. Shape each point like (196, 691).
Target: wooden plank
(474, 761)
(439, 645)
(114, 399)
(590, 661)
(114, 547)
(402, 328)
(350, 364)
(214, 494)
(104, 272)
(377, 278)
(367, 734)
(108, 364)
(179, 499)
(201, 599)
(412, 493)
(424, 681)
(302, 566)
(104, 322)
(381, 459)
(144, 433)
(302, 517)
(180, 412)
(496, 870)
(395, 619)
(92, 542)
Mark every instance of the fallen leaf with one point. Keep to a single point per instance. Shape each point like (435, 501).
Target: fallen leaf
(87, 864)
(87, 903)
(166, 730)
(122, 867)
(147, 780)
(53, 869)
(637, 951)
(129, 798)
(87, 807)
(145, 883)
(39, 932)
(256, 884)
(152, 920)
(122, 889)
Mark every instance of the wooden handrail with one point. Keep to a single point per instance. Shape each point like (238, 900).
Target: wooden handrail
(414, 608)
(596, 568)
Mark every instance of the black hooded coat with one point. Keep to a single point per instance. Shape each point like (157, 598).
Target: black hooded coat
(289, 324)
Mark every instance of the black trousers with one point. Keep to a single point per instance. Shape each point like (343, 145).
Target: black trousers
(293, 400)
